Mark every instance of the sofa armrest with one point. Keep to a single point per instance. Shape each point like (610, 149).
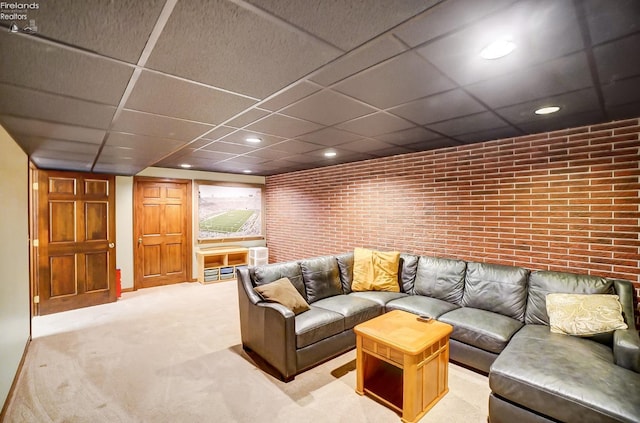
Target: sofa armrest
(626, 343)
(626, 349)
(266, 328)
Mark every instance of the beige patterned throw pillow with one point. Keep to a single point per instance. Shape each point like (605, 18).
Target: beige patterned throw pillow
(584, 314)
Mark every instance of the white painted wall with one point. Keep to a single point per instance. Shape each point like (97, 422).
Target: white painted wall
(15, 313)
(124, 213)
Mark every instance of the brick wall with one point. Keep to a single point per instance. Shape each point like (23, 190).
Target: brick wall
(565, 200)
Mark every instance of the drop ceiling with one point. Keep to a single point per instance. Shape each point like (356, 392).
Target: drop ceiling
(118, 86)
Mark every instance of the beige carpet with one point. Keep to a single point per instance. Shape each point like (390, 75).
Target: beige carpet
(172, 354)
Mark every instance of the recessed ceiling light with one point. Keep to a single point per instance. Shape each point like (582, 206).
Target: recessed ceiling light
(185, 166)
(547, 110)
(497, 49)
(330, 154)
(253, 139)
(247, 171)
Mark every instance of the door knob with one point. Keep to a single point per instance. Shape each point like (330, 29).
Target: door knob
(111, 245)
(139, 240)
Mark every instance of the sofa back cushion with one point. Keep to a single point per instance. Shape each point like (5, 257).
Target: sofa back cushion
(345, 265)
(497, 288)
(321, 277)
(543, 282)
(407, 272)
(267, 273)
(440, 278)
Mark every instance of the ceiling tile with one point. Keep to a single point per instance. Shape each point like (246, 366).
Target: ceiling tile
(574, 102)
(296, 146)
(200, 142)
(247, 117)
(446, 17)
(77, 165)
(328, 108)
(218, 132)
(393, 151)
(348, 157)
(119, 168)
(625, 111)
(240, 137)
(621, 92)
(479, 122)
(34, 144)
(38, 105)
(116, 28)
(618, 59)
(143, 142)
(553, 123)
(148, 156)
(408, 136)
(455, 103)
(396, 81)
(301, 158)
(491, 134)
(203, 157)
(290, 95)
(607, 23)
(244, 160)
(141, 123)
(228, 147)
(345, 24)
(272, 56)
(176, 158)
(365, 145)
(433, 144)
(188, 100)
(52, 130)
(359, 59)
(329, 137)
(29, 63)
(376, 124)
(283, 126)
(557, 77)
(457, 55)
(269, 153)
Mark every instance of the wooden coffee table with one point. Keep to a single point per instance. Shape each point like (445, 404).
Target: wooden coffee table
(402, 362)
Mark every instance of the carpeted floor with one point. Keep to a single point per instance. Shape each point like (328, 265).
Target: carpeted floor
(173, 354)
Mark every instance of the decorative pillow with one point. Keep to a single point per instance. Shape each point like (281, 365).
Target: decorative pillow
(282, 291)
(375, 270)
(584, 314)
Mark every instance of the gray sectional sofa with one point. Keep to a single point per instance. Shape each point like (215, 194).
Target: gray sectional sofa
(500, 328)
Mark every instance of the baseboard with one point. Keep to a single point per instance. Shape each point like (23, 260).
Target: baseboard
(15, 381)
(127, 289)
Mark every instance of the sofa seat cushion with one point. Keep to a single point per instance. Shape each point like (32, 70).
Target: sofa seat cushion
(418, 304)
(566, 378)
(355, 310)
(380, 297)
(480, 328)
(317, 324)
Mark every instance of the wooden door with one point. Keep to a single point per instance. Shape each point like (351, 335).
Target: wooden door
(76, 239)
(162, 234)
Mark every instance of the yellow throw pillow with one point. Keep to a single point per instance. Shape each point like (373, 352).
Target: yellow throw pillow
(282, 291)
(584, 314)
(375, 270)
